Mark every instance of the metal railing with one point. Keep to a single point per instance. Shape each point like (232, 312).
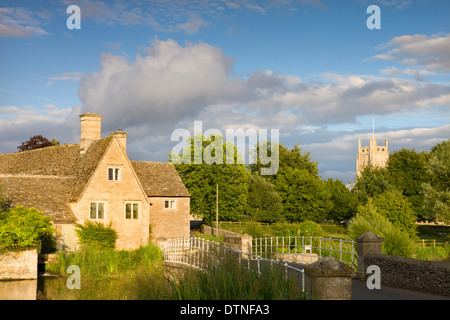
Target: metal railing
(305, 250)
(203, 254)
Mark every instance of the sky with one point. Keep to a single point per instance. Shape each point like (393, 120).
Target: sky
(312, 69)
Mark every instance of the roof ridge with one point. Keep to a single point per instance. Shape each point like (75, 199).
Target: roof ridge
(39, 149)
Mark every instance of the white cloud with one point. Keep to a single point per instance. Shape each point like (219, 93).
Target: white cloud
(160, 89)
(430, 52)
(66, 76)
(176, 16)
(192, 25)
(337, 157)
(20, 22)
(173, 85)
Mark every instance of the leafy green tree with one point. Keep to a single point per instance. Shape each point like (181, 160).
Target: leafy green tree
(288, 158)
(304, 195)
(201, 174)
(407, 171)
(373, 181)
(23, 229)
(437, 191)
(369, 219)
(344, 202)
(264, 203)
(398, 210)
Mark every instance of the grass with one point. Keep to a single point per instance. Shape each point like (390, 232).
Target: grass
(218, 239)
(227, 281)
(97, 263)
(140, 275)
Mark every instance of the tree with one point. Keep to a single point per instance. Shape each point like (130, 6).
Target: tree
(37, 142)
(437, 191)
(344, 202)
(288, 158)
(200, 177)
(264, 203)
(373, 181)
(398, 210)
(304, 195)
(369, 219)
(407, 171)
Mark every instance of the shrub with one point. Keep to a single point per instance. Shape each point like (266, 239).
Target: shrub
(302, 229)
(98, 263)
(396, 241)
(95, 234)
(24, 229)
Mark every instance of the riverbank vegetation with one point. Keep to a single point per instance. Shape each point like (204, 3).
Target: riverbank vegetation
(140, 275)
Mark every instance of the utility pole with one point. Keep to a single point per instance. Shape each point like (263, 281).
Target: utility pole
(217, 209)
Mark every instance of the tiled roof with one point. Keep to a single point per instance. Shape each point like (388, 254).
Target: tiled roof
(160, 179)
(48, 179)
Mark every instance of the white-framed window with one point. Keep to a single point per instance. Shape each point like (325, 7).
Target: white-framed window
(169, 204)
(114, 174)
(132, 210)
(97, 210)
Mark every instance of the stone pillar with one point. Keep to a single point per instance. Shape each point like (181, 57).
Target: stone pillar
(329, 279)
(246, 243)
(368, 243)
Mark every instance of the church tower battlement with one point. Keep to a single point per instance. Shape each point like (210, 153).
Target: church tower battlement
(372, 155)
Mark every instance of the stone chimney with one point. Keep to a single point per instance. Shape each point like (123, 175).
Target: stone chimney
(122, 137)
(91, 130)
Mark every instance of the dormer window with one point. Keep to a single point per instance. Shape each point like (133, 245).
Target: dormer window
(114, 174)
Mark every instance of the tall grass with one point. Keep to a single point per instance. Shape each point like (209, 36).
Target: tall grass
(226, 281)
(431, 253)
(99, 263)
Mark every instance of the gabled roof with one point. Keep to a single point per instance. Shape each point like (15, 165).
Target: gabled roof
(51, 178)
(160, 179)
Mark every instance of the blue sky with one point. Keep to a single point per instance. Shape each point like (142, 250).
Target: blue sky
(310, 68)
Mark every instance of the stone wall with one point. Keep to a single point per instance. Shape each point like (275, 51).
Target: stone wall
(19, 265)
(400, 272)
(169, 223)
(428, 276)
(241, 242)
(214, 231)
(131, 233)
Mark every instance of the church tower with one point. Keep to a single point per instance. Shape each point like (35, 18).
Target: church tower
(372, 155)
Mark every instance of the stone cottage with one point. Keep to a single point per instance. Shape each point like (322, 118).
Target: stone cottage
(95, 180)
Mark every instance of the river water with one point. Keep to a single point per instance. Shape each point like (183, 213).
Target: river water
(55, 288)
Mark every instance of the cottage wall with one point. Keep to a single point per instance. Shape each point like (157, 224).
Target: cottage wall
(169, 223)
(115, 194)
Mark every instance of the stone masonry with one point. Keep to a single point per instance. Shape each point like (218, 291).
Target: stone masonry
(22, 265)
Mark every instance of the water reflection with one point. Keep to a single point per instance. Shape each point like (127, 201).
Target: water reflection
(18, 290)
(43, 288)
